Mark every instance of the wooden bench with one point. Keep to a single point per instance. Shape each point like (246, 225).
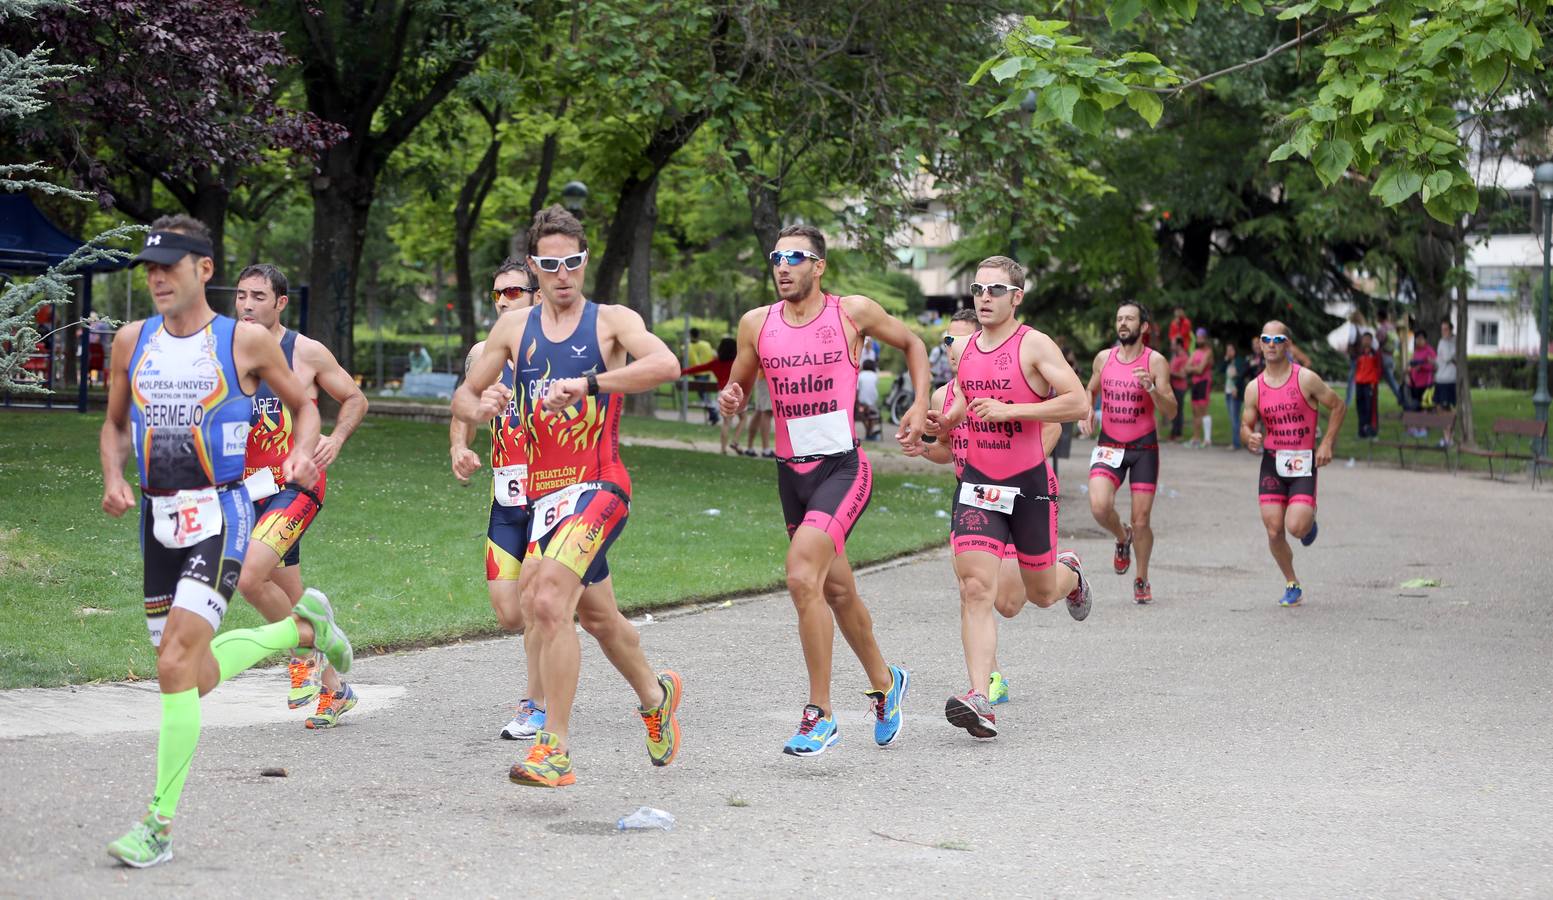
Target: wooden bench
(1506, 434)
(1430, 422)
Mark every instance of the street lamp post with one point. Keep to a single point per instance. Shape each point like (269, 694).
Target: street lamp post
(573, 195)
(1543, 178)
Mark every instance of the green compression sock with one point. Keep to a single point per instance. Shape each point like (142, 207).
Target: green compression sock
(175, 748)
(238, 650)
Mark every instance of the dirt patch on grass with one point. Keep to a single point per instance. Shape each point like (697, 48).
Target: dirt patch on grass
(11, 559)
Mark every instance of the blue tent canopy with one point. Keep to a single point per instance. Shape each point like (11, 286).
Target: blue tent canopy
(30, 243)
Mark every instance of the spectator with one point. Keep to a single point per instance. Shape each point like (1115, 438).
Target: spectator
(1178, 381)
(697, 354)
(759, 413)
(867, 409)
(1367, 375)
(1355, 331)
(1445, 369)
(1386, 345)
(1420, 373)
(420, 360)
(1235, 380)
(720, 368)
(1199, 370)
(1181, 327)
(938, 365)
(870, 351)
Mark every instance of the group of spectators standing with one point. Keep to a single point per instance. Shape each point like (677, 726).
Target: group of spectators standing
(1194, 369)
(1372, 355)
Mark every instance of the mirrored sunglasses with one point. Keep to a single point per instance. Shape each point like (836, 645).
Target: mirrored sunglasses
(791, 257)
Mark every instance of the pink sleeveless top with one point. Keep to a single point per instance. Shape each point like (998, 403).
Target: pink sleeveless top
(813, 382)
(1288, 419)
(1000, 449)
(1126, 409)
(959, 438)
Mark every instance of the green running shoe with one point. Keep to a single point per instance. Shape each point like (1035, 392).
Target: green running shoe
(327, 636)
(661, 722)
(150, 842)
(997, 689)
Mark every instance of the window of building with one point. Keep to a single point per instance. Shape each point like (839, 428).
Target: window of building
(1494, 279)
(1488, 333)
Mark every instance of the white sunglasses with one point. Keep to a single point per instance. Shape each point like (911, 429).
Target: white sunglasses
(995, 290)
(554, 263)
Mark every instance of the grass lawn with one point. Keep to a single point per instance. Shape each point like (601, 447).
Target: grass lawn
(1488, 404)
(399, 547)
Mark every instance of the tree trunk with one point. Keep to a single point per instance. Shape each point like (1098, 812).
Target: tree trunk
(763, 193)
(1468, 433)
(209, 206)
(466, 218)
(342, 202)
(536, 200)
(639, 282)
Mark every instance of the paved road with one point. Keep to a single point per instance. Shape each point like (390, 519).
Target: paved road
(1378, 741)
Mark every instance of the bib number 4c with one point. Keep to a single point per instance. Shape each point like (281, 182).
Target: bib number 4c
(1295, 463)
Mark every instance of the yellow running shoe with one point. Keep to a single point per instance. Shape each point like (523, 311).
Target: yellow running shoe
(547, 766)
(662, 726)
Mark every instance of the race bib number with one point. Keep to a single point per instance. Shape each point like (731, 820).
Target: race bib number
(1109, 456)
(261, 484)
(827, 434)
(994, 497)
(186, 518)
(1295, 463)
(509, 485)
(548, 511)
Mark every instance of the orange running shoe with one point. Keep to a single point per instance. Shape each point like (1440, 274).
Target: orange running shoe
(546, 766)
(307, 679)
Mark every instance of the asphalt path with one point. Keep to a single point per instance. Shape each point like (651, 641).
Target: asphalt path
(1380, 740)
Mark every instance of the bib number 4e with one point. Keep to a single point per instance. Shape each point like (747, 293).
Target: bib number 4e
(1107, 456)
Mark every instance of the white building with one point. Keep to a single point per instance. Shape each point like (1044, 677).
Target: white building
(1505, 262)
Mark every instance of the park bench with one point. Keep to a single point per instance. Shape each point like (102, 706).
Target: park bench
(429, 384)
(1505, 444)
(1429, 442)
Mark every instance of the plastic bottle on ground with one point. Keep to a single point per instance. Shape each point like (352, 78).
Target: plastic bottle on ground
(646, 817)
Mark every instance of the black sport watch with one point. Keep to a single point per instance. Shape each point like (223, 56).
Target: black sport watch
(593, 384)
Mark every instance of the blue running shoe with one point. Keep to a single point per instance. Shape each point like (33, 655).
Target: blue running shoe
(997, 689)
(527, 723)
(887, 707)
(1292, 595)
(1310, 536)
(816, 732)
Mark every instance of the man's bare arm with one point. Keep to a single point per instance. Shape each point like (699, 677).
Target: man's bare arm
(114, 444)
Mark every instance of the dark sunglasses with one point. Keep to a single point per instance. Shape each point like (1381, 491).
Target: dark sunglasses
(511, 293)
(791, 257)
(1274, 338)
(554, 263)
(949, 339)
(992, 290)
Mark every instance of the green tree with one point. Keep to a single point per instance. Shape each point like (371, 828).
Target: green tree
(25, 79)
